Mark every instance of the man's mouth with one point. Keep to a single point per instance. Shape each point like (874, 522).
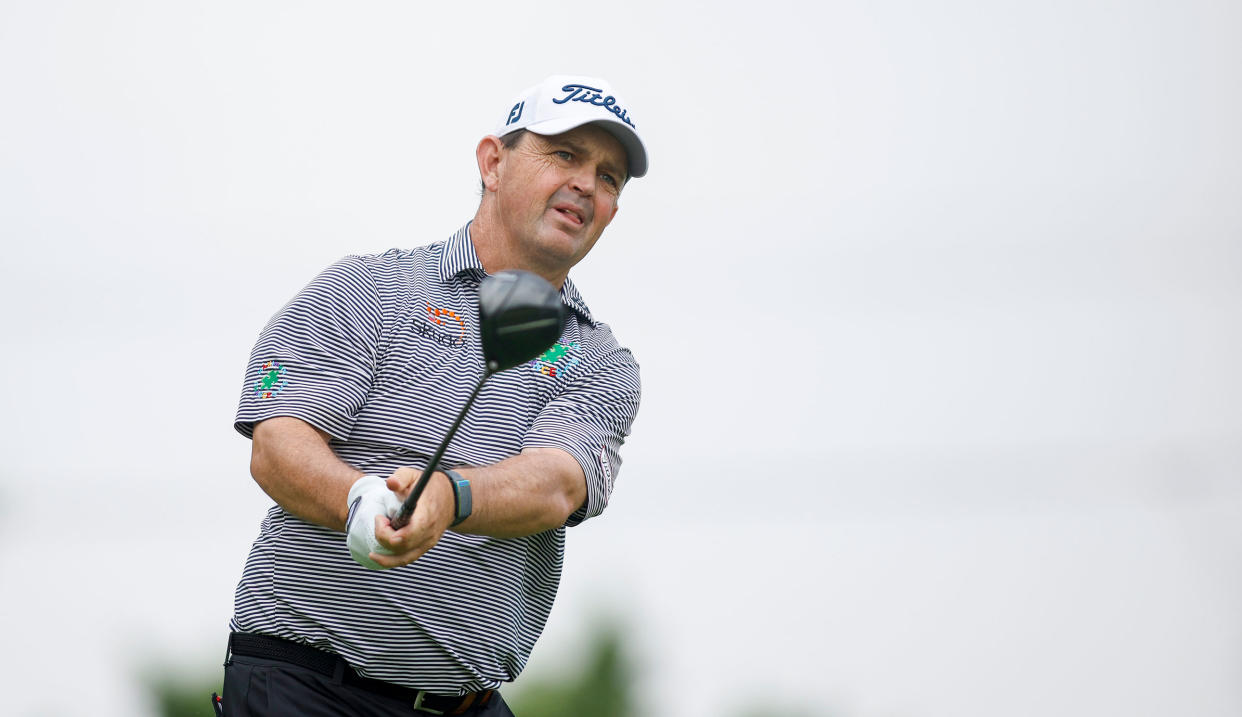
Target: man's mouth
(571, 213)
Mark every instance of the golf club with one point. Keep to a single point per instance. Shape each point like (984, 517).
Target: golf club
(520, 316)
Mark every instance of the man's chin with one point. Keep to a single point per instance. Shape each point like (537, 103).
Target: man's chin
(559, 250)
(556, 240)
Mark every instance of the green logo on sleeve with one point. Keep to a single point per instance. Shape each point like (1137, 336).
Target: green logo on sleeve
(272, 379)
(554, 354)
(558, 360)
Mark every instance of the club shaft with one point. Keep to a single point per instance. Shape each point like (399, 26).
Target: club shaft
(407, 507)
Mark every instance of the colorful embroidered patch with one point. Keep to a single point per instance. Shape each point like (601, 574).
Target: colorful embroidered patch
(444, 327)
(272, 381)
(435, 314)
(557, 361)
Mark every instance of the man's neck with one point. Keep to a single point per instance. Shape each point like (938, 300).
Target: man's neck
(495, 247)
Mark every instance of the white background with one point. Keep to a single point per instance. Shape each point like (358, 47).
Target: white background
(939, 308)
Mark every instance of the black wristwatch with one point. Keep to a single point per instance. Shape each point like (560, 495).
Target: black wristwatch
(461, 496)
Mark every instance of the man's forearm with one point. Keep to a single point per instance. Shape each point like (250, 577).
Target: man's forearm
(529, 493)
(292, 462)
(523, 495)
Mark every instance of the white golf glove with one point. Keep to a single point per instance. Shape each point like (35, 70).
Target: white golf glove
(368, 498)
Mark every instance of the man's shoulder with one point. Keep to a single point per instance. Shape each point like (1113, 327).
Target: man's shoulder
(439, 260)
(597, 341)
(396, 256)
(600, 344)
(393, 265)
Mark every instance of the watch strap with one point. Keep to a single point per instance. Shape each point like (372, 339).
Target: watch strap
(462, 503)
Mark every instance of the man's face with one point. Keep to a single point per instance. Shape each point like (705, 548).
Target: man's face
(556, 194)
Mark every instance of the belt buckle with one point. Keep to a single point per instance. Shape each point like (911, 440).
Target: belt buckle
(418, 704)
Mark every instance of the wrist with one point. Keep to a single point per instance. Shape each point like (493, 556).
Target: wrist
(463, 503)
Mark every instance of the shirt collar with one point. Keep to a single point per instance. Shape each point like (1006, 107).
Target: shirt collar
(572, 299)
(457, 256)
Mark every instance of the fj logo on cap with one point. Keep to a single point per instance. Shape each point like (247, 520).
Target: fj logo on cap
(515, 114)
(591, 95)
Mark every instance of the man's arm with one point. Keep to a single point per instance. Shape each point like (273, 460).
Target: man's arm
(292, 462)
(529, 493)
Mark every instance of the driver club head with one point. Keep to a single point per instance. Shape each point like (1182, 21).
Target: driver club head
(520, 316)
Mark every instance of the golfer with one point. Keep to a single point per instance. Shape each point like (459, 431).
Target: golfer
(350, 389)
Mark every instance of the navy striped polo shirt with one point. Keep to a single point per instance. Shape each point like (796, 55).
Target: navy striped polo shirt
(381, 352)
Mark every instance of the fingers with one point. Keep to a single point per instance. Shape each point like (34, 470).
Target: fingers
(428, 523)
(402, 481)
(406, 545)
(396, 561)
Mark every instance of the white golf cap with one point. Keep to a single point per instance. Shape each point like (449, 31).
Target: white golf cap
(562, 102)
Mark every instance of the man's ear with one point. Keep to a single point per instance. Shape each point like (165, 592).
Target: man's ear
(488, 153)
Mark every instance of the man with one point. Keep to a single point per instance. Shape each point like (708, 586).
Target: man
(350, 389)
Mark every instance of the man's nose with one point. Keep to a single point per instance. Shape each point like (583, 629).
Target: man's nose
(583, 181)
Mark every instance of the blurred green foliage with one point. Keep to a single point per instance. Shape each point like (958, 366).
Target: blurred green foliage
(601, 684)
(181, 696)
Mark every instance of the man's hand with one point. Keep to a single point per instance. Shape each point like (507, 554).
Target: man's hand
(369, 501)
(432, 516)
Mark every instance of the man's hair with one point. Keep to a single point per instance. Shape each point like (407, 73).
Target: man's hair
(509, 141)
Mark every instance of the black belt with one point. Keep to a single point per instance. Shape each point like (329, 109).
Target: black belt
(252, 644)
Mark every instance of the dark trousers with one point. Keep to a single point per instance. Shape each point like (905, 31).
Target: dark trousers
(258, 687)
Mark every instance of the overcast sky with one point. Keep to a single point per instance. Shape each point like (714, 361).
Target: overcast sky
(939, 309)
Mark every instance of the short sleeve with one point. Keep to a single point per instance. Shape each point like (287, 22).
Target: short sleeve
(590, 420)
(315, 360)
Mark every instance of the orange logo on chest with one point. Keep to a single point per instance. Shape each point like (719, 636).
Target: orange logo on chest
(435, 314)
(441, 325)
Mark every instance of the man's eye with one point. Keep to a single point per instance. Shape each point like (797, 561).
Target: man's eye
(609, 178)
(563, 154)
